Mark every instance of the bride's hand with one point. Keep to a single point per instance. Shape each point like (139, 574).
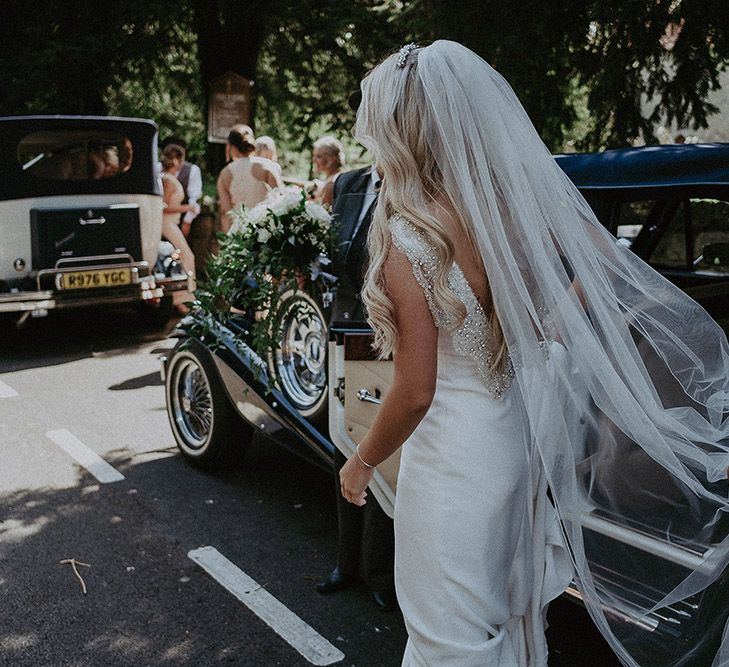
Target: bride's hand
(353, 480)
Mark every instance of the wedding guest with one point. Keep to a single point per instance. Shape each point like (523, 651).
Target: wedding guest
(266, 147)
(247, 178)
(328, 159)
(190, 177)
(103, 162)
(365, 538)
(173, 156)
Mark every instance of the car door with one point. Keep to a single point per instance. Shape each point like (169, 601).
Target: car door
(359, 383)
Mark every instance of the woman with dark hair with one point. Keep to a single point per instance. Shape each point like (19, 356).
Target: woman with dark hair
(247, 178)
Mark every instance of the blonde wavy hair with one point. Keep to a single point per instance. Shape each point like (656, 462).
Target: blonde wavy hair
(332, 147)
(393, 122)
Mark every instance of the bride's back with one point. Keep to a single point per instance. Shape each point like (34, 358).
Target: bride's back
(466, 256)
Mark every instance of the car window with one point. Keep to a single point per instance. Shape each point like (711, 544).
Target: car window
(632, 217)
(710, 223)
(671, 248)
(75, 155)
(701, 228)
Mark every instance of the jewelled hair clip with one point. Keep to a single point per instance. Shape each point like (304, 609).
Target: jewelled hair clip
(405, 51)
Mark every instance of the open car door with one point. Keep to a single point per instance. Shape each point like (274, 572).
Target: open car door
(359, 382)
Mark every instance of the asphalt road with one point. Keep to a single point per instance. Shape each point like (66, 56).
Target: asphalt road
(90, 380)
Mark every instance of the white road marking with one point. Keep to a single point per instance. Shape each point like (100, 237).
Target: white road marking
(6, 391)
(84, 456)
(306, 640)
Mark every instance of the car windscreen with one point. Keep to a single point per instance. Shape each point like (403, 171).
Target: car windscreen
(48, 156)
(68, 154)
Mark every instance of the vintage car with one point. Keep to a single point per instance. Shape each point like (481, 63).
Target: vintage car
(670, 204)
(81, 214)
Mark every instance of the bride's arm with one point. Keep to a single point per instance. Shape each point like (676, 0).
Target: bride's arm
(411, 393)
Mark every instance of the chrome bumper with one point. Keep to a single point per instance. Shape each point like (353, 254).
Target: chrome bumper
(20, 302)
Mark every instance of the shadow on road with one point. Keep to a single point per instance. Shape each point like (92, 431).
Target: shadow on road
(147, 603)
(273, 515)
(66, 336)
(149, 380)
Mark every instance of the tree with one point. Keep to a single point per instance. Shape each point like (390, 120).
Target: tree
(527, 42)
(312, 61)
(666, 52)
(570, 61)
(612, 56)
(305, 58)
(63, 61)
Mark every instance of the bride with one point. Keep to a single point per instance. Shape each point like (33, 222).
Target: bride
(520, 333)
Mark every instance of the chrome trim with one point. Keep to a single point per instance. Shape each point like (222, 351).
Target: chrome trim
(671, 552)
(92, 221)
(338, 391)
(622, 611)
(49, 300)
(98, 258)
(176, 283)
(364, 395)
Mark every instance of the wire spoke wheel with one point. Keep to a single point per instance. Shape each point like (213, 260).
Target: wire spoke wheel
(208, 430)
(192, 405)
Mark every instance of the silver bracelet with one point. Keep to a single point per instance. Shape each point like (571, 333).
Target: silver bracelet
(364, 463)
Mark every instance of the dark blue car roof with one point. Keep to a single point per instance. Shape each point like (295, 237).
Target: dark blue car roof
(649, 167)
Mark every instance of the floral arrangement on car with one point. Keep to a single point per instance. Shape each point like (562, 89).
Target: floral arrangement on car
(275, 247)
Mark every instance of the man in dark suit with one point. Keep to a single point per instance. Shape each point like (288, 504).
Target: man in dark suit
(366, 544)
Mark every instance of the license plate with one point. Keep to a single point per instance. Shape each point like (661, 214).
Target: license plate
(100, 278)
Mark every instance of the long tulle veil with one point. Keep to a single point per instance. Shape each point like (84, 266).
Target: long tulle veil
(626, 389)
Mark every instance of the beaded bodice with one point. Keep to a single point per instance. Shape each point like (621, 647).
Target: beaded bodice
(473, 337)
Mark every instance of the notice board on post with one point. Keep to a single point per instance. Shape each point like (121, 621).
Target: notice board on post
(229, 105)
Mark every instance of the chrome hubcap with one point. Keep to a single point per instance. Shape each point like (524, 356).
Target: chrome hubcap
(301, 360)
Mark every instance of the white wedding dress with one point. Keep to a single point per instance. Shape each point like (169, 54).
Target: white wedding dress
(479, 552)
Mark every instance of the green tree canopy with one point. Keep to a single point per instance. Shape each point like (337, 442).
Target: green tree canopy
(608, 58)
(582, 68)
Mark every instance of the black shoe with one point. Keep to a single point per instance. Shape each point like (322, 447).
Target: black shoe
(336, 581)
(385, 600)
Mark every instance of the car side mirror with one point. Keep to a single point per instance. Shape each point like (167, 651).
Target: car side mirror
(715, 255)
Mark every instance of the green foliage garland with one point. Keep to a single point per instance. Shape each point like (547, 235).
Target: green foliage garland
(277, 246)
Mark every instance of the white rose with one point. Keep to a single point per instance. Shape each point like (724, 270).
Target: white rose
(317, 211)
(279, 208)
(258, 213)
(292, 198)
(263, 235)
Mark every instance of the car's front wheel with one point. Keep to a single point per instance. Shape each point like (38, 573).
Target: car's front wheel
(299, 363)
(207, 429)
